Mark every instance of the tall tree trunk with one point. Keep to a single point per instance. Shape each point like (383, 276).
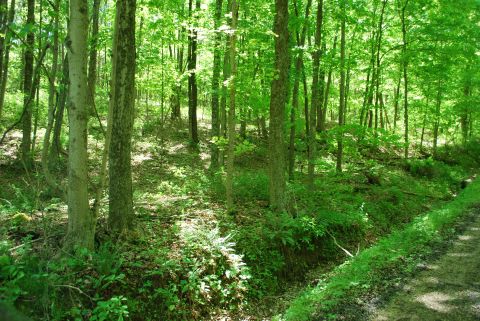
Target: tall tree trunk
(341, 109)
(26, 144)
(3, 32)
(405, 75)
(121, 215)
(192, 78)
(305, 99)
(81, 223)
(295, 93)
(6, 59)
(223, 101)
(62, 95)
(364, 113)
(51, 103)
(436, 124)
(216, 86)
(278, 100)
(177, 90)
(327, 88)
(424, 123)
(37, 87)
(231, 107)
(364, 110)
(315, 91)
(396, 101)
(465, 115)
(378, 62)
(92, 64)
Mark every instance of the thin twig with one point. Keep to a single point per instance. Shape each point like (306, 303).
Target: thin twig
(73, 288)
(23, 244)
(342, 248)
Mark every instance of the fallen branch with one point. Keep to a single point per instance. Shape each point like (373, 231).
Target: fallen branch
(23, 244)
(73, 288)
(342, 248)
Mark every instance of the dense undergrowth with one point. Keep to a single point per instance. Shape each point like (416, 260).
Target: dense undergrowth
(188, 258)
(399, 251)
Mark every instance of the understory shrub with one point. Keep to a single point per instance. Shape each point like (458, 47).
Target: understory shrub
(203, 272)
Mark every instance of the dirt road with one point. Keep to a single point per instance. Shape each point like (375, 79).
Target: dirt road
(448, 289)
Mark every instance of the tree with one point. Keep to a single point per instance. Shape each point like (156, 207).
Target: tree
(405, 75)
(278, 100)
(6, 55)
(231, 108)
(28, 88)
(341, 108)
(315, 91)
(296, 87)
(51, 102)
(81, 222)
(216, 86)
(192, 78)
(92, 62)
(122, 104)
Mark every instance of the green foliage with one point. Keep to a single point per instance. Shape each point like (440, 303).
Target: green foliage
(113, 309)
(250, 186)
(422, 167)
(90, 278)
(359, 273)
(204, 272)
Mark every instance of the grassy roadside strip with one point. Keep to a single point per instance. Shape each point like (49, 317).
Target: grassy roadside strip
(359, 274)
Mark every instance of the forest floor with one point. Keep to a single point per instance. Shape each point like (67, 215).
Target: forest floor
(182, 225)
(447, 289)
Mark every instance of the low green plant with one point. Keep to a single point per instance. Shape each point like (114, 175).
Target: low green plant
(205, 271)
(115, 309)
(250, 186)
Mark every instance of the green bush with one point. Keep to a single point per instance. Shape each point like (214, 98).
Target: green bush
(422, 167)
(249, 186)
(204, 272)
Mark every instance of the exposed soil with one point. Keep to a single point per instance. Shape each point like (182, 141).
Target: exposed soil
(447, 289)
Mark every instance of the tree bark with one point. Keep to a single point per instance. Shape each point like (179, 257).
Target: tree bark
(223, 101)
(192, 79)
(315, 91)
(341, 109)
(51, 104)
(3, 31)
(92, 63)
(56, 146)
(327, 88)
(396, 101)
(378, 63)
(278, 100)
(405, 76)
(436, 124)
(231, 107)
(6, 59)
(26, 144)
(81, 223)
(295, 93)
(216, 87)
(121, 215)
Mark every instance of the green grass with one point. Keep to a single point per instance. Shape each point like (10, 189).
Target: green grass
(359, 273)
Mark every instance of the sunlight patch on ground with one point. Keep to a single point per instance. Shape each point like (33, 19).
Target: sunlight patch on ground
(459, 254)
(139, 158)
(436, 301)
(465, 237)
(432, 280)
